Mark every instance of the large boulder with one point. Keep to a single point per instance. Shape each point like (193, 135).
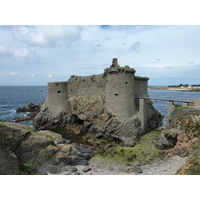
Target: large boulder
(8, 161)
(22, 145)
(11, 134)
(168, 139)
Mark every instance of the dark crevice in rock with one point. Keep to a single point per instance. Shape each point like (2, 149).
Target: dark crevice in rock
(75, 120)
(24, 138)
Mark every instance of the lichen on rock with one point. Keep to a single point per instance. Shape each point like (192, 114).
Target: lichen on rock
(22, 146)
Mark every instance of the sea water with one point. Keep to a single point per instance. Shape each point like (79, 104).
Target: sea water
(161, 105)
(13, 97)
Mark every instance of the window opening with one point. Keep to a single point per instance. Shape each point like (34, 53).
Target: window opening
(58, 91)
(116, 94)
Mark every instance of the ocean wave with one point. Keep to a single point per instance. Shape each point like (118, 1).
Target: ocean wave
(13, 110)
(6, 106)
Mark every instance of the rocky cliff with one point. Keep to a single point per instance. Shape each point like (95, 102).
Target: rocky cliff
(91, 115)
(26, 151)
(183, 138)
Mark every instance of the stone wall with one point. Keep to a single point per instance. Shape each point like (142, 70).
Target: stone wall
(140, 89)
(120, 98)
(197, 103)
(141, 86)
(56, 98)
(170, 109)
(86, 85)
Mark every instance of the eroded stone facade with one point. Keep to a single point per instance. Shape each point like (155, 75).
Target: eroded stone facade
(108, 103)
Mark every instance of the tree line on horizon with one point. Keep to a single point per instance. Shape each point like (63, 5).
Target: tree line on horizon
(184, 85)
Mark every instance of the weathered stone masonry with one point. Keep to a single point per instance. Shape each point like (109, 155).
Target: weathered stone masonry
(107, 103)
(119, 84)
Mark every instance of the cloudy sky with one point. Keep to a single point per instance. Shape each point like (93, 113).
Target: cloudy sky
(36, 55)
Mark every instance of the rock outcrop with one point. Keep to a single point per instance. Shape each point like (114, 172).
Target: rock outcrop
(31, 109)
(8, 161)
(183, 132)
(91, 115)
(44, 151)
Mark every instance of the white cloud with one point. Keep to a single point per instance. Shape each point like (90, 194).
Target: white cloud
(50, 76)
(47, 36)
(32, 75)
(3, 49)
(21, 53)
(27, 55)
(86, 50)
(4, 52)
(13, 73)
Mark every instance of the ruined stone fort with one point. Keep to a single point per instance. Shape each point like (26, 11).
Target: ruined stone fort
(109, 103)
(119, 85)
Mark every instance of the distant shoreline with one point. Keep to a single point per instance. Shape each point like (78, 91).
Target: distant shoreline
(174, 88)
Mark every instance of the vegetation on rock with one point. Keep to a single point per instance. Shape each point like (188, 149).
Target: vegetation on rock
(185, 130)
(25, 169)
(26, 151)
(142, 153)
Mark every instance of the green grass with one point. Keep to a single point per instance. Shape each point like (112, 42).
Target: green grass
(25, 169)
(195, 147)
(194, 169)
(29, 128)
(195, 162)
(144, 150)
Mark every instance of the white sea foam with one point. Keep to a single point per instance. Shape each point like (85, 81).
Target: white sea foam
(13, 110)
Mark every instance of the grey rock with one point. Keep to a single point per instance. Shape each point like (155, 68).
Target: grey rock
(129, 159)
(86, 124)
(77, 160)
(174, 133)
(99, 135)
(27, 108)
(71, 169)
(63, 169)
(138, 170)
(65, 173)
(86, 169)
(108, 146)
(133, 156)
(51, 169)
(45, 150)
(162, 143)
(76, 173)
(112, 151)
(8, 163)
